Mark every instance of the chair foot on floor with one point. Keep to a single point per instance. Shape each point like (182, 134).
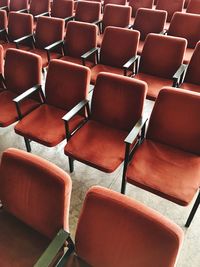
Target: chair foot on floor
(71, 165)
(27, 143)
(193, 211)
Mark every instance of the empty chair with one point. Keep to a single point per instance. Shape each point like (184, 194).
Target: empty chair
(87, 11)
(30, 216)
(136, 4)
(80, 38)
(160, 59)
(144, 231)
(187, 26)
(117, 105)
(167, 163)
(193, 7)
(148, 21)
(19, 25)
(38, 8)
(171, 6)
(22, 71)
(66, 85)
(114, 15)
(119, 47)
(62, 8)
(48, 31)
(17, 5)
(191, 79)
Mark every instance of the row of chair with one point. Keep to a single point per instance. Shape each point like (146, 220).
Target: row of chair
(96, 135)
(34, 222)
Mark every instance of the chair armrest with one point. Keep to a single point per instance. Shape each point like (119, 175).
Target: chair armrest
(75, 110)
(89, 53)
(4, 8)
(131, 62)
(179, 75)
(24, 38)
(69, 18)
(27, 93)
(129, 26)
(4, 32)
(42, 14)
(52, 250)
(22, 10)
(136, 130)
(163, 32)
(52, 47)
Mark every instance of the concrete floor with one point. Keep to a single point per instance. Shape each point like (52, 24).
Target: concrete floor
(84, 177)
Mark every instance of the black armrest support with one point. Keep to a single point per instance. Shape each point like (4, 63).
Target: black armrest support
(42, 14)
(99, 24)
(4, 32)
(24, 38)
(52, 250)
(179, 75)
(133, 62)
(52, 47)
(93, 51)
(163, 32)
(25, 10)
(4, 8)
(69, 18)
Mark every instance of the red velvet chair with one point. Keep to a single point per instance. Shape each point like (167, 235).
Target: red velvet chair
(80, 38)
(39, 8)
(31, 214)
(160, 59)
(66, 86)
(114, 2)
(191, 79)
(18, 5)
(22, 71)
(171, 6)
(87, 11)
(148, 21)
(62, 9)
(114, 15)
(187, 26)
(145, 232)
(118, 50)
(167, 163)
(19, 25)
(48, 31)
(193, 7)
(136, 4)
(117, 105)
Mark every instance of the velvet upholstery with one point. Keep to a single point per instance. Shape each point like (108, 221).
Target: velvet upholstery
(171, 6)
(173, 140)
(80, 38)
(39, 7)
(115, 56)
(187, 26)
(1, 60)
(193, 7)
(115, 2)
(136, 4)
(62, 8)
(111, 212)
(27, 183)
(66, 85)
(160, 59)
(16, 5)
(109, 119)
(3, 19)
(87, 11)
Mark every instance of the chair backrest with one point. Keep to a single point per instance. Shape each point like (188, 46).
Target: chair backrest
(3, 19)
(118, 46)
(116, 15)
(27, 186)
(149, 21)
(67, 84)
(80, 38)
(193, 7)
(136, 4)
(4, 3)
(187, 26)
(193, 71)
(162, 55)
(175, 120)
(171, 6)
(118, 101)
(19, 25)
(87, 11)
(16, 5)
(115, 2)
(62, 8)
(39, 7)
(48, 30)
(22, 70)
(147, 238)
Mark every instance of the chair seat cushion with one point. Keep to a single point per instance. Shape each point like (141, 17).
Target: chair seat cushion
(8, 112)
(191, 87)
(45, 125)
(168, 172)
(43, 55)
(97, 145)
(104, 68)
(155, 84)
(188, 55)
(20, 245)
(74, 261)
(89, 64)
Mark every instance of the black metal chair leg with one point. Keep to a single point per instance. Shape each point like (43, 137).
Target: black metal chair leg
(123, 187)
(27, 143)
(193, 211)
(71, 164)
